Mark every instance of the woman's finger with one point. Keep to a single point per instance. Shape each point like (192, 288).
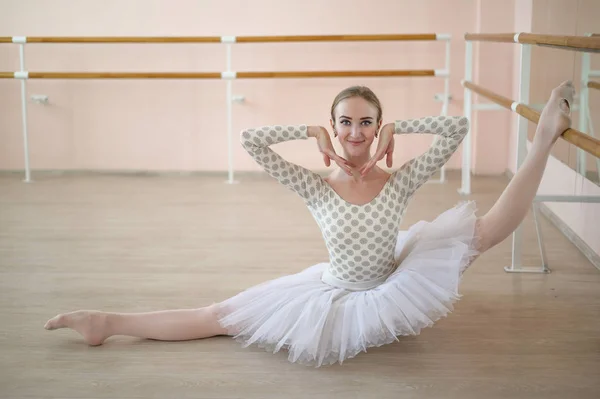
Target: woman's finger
(345, 168)
(389, 159)
(342, 163)
(327, 160)
(365, 169)
(380, 153)
(339, 159)
(378, 156)
(390, 153)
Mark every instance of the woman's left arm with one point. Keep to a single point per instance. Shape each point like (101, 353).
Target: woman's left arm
(450, 132)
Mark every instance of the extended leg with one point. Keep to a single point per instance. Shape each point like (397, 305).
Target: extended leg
(166, 325)
(512, 206)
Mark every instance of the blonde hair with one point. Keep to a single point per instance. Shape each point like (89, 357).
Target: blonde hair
(357, 91)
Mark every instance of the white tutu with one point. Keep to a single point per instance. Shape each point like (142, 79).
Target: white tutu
(320, 325)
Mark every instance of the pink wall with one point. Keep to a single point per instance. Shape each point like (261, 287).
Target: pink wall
(493, 70)
(181, 125)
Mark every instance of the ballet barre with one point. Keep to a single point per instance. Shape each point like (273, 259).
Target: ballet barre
(585, 143)
(594, 85)
(220, 75)
(225, 39)
(228, 75)
(588, 43)
(575, 137)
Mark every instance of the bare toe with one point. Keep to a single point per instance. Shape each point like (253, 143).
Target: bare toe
(92, 325)
(55, 323)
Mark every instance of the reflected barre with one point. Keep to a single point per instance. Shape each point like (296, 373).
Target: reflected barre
(491, 37)
(222, 75)
(593, 85)
(578, 43)
(575, 137)
(227, 39)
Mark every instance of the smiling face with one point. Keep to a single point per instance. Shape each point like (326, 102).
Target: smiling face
(356, 119)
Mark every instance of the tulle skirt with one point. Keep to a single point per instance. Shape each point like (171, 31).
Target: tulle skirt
(319, 324)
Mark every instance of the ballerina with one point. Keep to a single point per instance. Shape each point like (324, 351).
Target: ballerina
(379, 283)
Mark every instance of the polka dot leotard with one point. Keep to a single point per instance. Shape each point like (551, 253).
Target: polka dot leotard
(360, 239)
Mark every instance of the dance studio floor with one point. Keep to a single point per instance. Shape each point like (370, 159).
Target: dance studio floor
(141, 243)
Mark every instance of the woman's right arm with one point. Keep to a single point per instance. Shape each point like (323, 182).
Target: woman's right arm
(257, 143)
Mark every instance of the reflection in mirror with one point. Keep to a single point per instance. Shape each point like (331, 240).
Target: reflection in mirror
(550, 66)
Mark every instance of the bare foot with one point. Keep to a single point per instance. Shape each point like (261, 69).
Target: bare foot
(556, 115)
(92, 325)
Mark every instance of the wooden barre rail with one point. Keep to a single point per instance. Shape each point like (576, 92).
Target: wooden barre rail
(236, 39)
(219, 75)
(593, 85)
(491, 37)
(578, 43)
(575, 137)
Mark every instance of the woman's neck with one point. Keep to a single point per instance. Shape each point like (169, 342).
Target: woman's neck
(357, 162)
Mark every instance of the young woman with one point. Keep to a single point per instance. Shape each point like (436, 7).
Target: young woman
(379, 283)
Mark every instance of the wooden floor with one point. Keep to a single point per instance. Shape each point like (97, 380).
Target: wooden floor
(140, 243)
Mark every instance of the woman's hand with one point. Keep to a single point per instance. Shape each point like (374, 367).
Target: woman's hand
(385, 148)
(327, 150)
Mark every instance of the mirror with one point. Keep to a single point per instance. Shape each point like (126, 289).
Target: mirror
(550, 66)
